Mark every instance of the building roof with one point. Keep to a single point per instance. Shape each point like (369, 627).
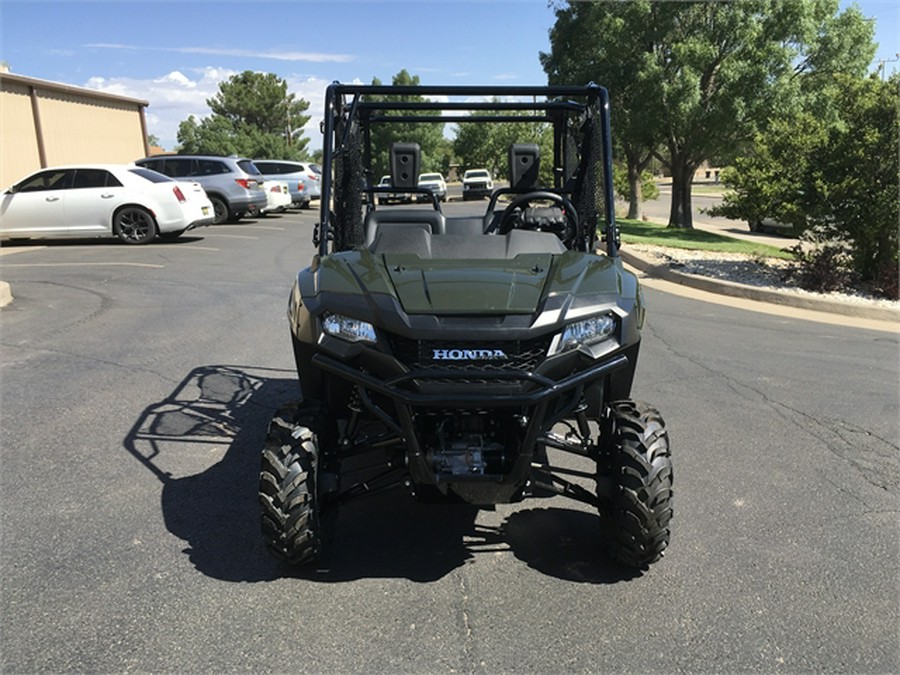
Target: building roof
(69, 89)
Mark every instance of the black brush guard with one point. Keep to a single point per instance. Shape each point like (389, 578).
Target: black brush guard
(545, 402)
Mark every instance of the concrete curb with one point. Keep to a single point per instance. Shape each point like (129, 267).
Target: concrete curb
(661, 271)
(6, 296)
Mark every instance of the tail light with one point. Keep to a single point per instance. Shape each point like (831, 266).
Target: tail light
(243, 182)
(179, 195)
(300, 187)
(312, 176)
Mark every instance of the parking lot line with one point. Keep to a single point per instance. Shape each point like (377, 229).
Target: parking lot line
(260, 227)
(183, 247)
(231, 236)
(84, 264)
(19, 249)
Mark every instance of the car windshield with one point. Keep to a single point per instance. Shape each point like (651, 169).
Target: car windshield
(476, 174)
(430, 176)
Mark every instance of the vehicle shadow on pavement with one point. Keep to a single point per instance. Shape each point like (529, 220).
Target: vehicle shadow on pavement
(563, 543)
(101, 242)
(203, 443)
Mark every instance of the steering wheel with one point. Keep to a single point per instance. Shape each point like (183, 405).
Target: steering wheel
(506, 220)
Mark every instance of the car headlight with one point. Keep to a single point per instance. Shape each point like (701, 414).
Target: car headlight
(584, 333)
(348, 328)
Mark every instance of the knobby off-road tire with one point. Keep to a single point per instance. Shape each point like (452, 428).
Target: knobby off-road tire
(297, 495)
(637, 466)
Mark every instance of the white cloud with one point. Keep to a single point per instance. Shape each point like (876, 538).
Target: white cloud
(177, 95)
(176, 77)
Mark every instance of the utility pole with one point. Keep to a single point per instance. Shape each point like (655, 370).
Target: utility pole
(882, 62)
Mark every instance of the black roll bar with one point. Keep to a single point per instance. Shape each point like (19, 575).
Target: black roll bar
(555, 98)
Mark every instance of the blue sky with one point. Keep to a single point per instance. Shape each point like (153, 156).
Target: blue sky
(174, 53)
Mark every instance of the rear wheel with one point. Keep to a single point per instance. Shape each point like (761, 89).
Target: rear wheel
(134, 225)
(635, 472)
(298, 484)
(220, 209)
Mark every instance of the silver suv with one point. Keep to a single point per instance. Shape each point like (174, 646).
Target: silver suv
(233, 184)
(303, 178)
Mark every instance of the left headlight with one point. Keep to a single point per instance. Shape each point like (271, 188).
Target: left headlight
(348, 328)
(584, 333)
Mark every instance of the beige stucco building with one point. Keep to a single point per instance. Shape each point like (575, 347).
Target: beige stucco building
(45, 123)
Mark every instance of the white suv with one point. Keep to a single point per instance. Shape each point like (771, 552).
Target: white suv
(477, 184)
(304, 178)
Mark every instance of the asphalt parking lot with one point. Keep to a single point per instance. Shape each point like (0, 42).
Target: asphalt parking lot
(137, 383)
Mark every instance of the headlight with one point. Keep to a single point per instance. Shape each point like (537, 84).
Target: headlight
(587, 332)
(347, 328)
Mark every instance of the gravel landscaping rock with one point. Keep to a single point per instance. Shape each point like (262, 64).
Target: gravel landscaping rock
(767, 273)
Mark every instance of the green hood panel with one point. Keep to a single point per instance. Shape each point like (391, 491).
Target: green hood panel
(519, 285)
(469, 286)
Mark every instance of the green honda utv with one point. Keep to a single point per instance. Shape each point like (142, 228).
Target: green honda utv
(460, 355)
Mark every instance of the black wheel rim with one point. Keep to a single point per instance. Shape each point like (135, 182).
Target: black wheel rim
(135, 225)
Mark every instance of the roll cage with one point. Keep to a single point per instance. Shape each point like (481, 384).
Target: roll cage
(582, 155)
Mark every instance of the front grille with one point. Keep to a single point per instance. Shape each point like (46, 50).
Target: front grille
(475, 356)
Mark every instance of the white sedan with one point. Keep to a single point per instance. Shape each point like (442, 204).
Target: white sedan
(95, 200)
(278, 196)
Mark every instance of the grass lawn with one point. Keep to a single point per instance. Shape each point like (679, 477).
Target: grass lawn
(654, 234)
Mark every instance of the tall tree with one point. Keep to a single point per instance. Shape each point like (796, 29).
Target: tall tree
(252, 114)
(605, 43)
(429, 136)
(480, 144)
(711, 73)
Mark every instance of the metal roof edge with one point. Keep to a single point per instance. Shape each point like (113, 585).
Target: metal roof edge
(69, 89)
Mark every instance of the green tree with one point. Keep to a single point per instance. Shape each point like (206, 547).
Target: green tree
(214, 135)
(486, 144)
(624, 186)
(429, 136)
(832, 169)
(605, 43)
(768, 184)
(253, 115)
(712, 73)
(854, 178)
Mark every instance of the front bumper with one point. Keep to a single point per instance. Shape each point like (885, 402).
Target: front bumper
(403, 389)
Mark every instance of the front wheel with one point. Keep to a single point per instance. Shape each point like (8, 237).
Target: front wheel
(298, 484)
(634, 482)
(134, 225)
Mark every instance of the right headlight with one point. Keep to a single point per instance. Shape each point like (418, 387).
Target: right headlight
(583, 333)
(348, 328)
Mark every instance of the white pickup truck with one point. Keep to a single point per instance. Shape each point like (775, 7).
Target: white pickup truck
(477, 184)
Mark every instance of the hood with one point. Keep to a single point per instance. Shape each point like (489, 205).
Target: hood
(520, 285)
(469, 286)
